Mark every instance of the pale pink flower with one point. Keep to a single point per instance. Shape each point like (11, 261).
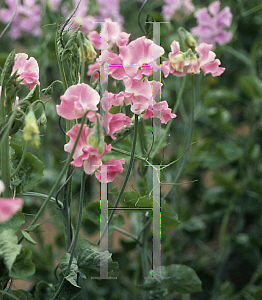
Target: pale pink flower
(9, 207)
(211, 24)
(110, 9)
(109, 33)
(77, 100)
(27, 69)
(142, 93)
(140, 53)
(159, 110)
(123, 39)
(177, 9)
(114, 123)
(85, 155)
(113, 168)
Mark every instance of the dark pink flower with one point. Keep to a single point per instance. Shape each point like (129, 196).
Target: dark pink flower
(77, 100)
(113, 168)
(159, 110)
(27, 69)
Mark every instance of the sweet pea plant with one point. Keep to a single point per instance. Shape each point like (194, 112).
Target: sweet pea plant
(113, 124)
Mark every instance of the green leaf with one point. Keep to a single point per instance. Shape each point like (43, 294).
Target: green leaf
(31, 171)
(23, 266)
(9, 249)
(8, 67)
(28, 237)
(14, 223)
(183, 279)
(169, 218)
(88, 259)
(70, 288)
(44, 291)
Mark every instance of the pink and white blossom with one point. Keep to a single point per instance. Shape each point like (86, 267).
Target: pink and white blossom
(77, 100)
(27, 69)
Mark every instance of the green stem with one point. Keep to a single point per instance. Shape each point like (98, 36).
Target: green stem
(127, 234)
(160, 144)
(188, 137)
(41, 196)
(21, 160)
(251, 11)
(61, 175)
(82, 72)
(4, 150)
(80, 212)
(238, 55)
(128, 153)
(126, 179)
(223, 228)
(144, 254)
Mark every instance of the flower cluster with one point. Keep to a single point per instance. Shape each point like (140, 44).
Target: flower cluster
(177, 9)
(178, 61)
(132, 64)
(211, 26)
(8, 206)
(27, 18)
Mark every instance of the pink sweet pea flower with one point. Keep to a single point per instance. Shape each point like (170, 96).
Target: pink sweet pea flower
(142, 93)
(85, 155)
(210, 29)
(9, 207)
(77, 100)
(114, 123)
(27, 70)
(176, 62)
(159, 110)
(123, 39)
(140, 53)
(177, 9)
(113, 168)
(109, 33)
(207, 60)
(92, 68)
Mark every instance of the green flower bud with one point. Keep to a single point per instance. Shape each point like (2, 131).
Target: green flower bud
(31, 130)
(89, 51)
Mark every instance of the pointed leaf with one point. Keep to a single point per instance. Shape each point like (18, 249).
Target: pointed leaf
(28, 237)
(44, 291)
(8, 67)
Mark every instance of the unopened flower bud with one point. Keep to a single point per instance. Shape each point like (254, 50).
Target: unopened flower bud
(31, 130)
(89, 51)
